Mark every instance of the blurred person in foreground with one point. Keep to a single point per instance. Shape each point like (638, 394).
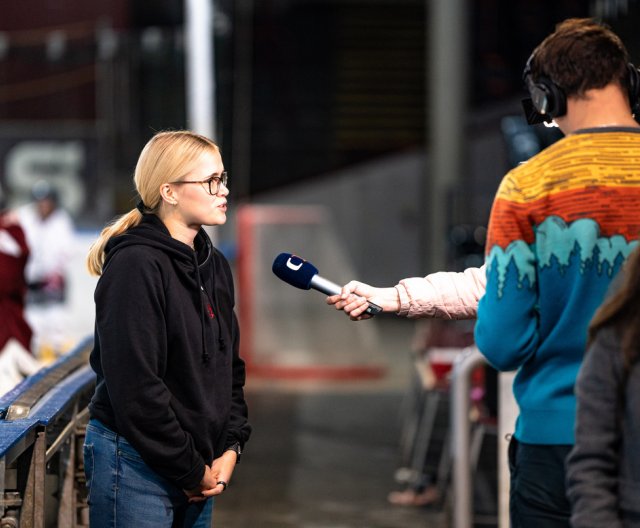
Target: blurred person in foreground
(16, 360)
(561, 226)
(603, 468)
(50, 234)
(168, 420)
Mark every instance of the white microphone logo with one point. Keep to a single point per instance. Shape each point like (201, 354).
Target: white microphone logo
(292, 266)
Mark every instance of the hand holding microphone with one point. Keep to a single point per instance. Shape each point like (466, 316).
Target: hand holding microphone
(304, 275)
(354, 300)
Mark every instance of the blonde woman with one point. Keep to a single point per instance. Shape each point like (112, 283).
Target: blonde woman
(168, 417)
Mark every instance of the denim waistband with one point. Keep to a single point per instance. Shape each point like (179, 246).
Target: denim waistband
(98, 428)
(102, 429)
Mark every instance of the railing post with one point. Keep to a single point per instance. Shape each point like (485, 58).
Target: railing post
(463, 367)
(32, 514)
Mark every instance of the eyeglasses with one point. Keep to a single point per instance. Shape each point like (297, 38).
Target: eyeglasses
(213, 183)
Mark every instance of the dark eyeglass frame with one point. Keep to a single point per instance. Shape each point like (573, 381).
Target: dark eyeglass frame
(217, 180)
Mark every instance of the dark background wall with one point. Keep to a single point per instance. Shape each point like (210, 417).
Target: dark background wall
(312, 96)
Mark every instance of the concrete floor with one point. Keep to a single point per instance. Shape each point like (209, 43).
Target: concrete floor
(323, 454)
(320, 460)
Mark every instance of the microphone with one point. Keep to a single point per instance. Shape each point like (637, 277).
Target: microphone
(298, 272)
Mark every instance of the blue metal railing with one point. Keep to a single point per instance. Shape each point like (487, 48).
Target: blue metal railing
(40, 419)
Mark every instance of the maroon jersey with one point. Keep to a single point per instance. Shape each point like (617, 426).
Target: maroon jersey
(13, 258)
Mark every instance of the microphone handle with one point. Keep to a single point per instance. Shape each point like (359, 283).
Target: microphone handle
(331, 288)
(324, 285)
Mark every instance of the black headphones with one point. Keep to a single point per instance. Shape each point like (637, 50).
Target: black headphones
(548, 101)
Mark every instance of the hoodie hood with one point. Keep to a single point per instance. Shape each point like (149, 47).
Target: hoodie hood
(152, 232)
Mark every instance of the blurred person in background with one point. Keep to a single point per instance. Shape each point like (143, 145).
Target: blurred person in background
(168, 420)
(561, 226)
(16, 360)
(603, 468)
(50, 236)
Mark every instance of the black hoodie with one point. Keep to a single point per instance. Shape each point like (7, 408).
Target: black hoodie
(169, 377)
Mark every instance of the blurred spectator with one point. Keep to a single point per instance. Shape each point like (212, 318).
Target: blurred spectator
(49, 231)
(16, 360)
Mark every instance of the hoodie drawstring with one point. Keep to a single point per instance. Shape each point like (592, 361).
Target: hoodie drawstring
(205, 353)
(213, 307)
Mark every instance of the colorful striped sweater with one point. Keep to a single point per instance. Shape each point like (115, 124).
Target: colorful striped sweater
(561, 226)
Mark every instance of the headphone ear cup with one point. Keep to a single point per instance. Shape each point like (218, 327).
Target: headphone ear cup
(548, 98)
(634, 88)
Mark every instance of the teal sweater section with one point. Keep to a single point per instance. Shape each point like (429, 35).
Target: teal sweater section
(534, 318)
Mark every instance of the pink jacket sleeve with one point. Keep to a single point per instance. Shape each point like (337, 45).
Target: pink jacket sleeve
(442, 295)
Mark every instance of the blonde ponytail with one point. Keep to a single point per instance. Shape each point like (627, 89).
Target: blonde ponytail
(95, 258)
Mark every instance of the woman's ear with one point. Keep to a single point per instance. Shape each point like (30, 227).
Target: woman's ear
(167, 194)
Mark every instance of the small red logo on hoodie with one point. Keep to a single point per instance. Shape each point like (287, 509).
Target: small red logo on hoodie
(210, 311)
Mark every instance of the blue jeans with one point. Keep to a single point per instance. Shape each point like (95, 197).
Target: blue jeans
(123, 492)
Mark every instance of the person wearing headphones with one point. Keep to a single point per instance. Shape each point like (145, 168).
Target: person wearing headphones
(561, 227)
